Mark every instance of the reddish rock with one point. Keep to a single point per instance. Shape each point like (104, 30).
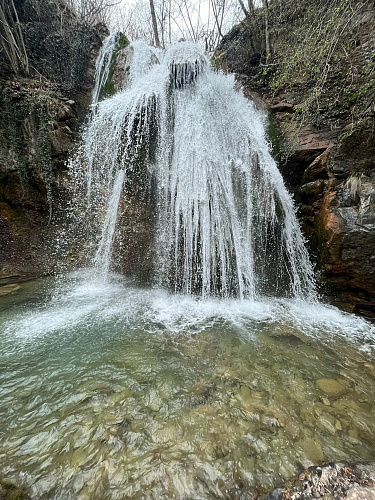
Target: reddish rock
(347, 226)
(318, 168)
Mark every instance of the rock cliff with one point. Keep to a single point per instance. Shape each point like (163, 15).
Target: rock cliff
(40, 116)
(318, 82)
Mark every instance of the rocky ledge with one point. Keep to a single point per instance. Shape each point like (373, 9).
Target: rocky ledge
(38, 127)
(41, 113)
(333, 176)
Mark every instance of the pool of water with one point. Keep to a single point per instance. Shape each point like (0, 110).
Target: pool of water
(111, 391)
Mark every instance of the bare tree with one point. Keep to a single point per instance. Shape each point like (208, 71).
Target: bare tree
(93, 11)
(201, 21)
(11, 37)
(242, 5)
(154, 23)
(251, 6)
(266, 30)
(134, 20)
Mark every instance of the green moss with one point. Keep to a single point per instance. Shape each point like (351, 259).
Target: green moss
(108, 89)
(215, 60)
(367, 89)
(122, 42)
(274, 135)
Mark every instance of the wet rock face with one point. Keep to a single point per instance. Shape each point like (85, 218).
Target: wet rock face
(122, 76)
(336, 192)
(39, 126)
(338, 207)
(333, 176)
(355, 151)
(347, 220)
(135, 228)
(328, 158)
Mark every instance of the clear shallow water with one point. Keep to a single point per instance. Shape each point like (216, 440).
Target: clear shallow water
(112, 391)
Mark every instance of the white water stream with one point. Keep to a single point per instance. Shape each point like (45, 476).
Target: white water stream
(225, 223)
(103, 64)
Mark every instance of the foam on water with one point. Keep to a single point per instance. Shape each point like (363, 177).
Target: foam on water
(103, 255)
(143, 58)
(85, 299)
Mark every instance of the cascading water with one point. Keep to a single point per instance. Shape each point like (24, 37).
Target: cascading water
(103, 255)
(103, 64)
(226, 224)
(141, 59)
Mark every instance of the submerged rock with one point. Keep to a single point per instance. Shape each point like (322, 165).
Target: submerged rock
(312, 450)
(9, 491)
(331, 387)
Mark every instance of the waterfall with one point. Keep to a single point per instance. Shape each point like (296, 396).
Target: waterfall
(197, 150)
(103, 255)
(142, 58)
(103, 64)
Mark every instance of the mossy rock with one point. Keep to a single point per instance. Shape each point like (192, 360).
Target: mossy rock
(311, 191)
(108, 90)
(9, 491)
(275, 137)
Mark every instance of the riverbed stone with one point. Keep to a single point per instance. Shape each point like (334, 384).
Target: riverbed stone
(333, 388)
(8, 289)
(325, 423)
(153, 400)
(338, 425)
(9, 491)
(312, 449)
(331, 482)
(361, 493)
(117, 397)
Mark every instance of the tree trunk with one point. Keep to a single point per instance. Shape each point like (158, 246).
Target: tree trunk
(242, 5)
(154, 23)
(250, 3)
(266, 29)
(11, 38)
